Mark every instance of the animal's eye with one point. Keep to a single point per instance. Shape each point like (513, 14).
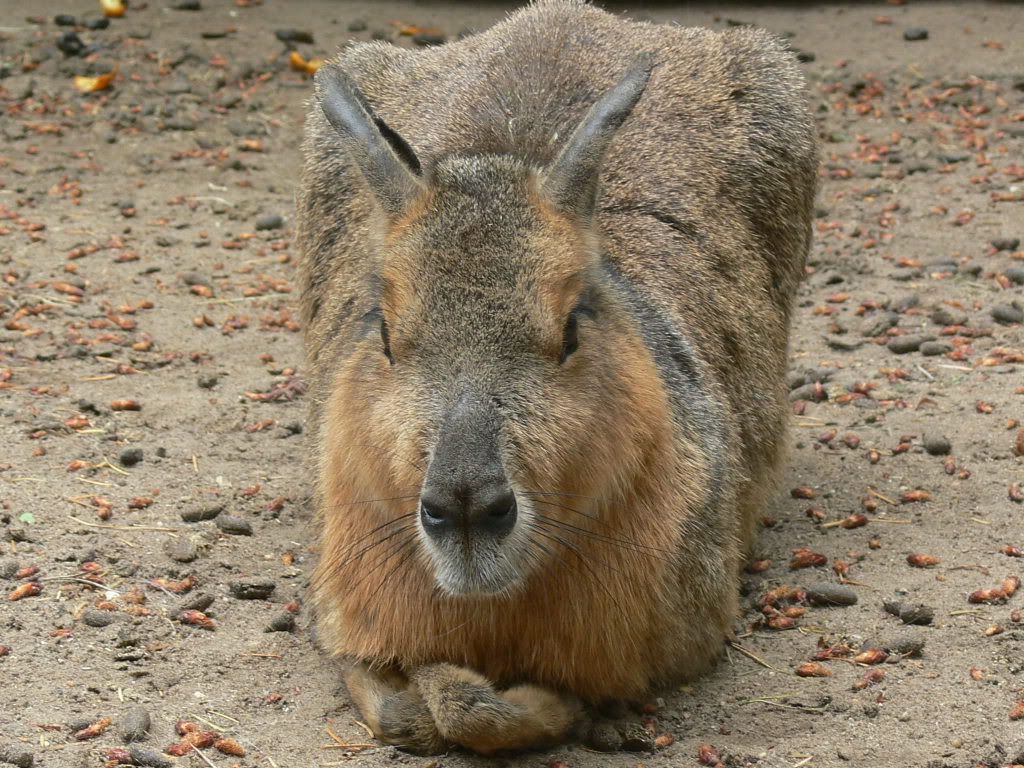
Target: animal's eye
(570, 337)
(385, 340)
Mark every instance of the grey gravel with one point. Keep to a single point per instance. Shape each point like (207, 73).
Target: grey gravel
(94, 617)
(16, 755)
(827, 593)
(935, 348)
(181, 550)
(1008, 314)
(636, 738)
(282, 622)
(1006, 243)
(134, 724)
(252, 589)
(130, 457)
(198, 602)
(236, 526)
(203, 512)
(914, 34)
(876, 326)
(937, 445)
(910, 613)
(604, 737)
(149, 758)
(901, 345)
(271, 221)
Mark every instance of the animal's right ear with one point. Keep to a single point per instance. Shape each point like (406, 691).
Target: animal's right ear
(386, 160)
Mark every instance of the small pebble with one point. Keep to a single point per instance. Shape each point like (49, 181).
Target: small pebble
(271, 221)
(636, 738)
(948, 316)
(935, 348)
(236, 526)
(181, 550)
(149, 758)
(70, 44)
(282, 622)
(94, 617)
(18, 756)
(915, 33)
(357, 25)
(252, 589)
(937, 445)
(130, 457)
(198, 602)
(901, 345)
(826, 593)
(65, 20)
(1015, 274)
(207, 381)
(187, 5)
(294, 36)
(8, 568)
(1006, 243)
(134, 724)
(910, 613)
(900, 645)
(1008, 314)
(204, 512)
(604, 737)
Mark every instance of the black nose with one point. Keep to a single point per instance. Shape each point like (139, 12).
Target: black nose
(489, 511)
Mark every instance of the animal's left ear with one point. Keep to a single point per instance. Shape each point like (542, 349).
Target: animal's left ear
(571, 181)
(387, 162)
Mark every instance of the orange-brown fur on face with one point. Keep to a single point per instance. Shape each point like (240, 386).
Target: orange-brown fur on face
(703, 220)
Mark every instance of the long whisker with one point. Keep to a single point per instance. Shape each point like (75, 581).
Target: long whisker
(341, 563)
(567, 509)
(600, 536)
(566, 495)
(583, 562)
(336, 507)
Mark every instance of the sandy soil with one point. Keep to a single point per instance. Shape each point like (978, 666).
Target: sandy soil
(137, 267)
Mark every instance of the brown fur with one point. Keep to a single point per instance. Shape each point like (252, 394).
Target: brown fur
(705, 203)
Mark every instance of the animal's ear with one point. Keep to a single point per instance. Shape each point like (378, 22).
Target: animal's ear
(571, 181)
(387, 162)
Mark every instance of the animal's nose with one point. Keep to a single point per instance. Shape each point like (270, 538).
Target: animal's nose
(490, 510)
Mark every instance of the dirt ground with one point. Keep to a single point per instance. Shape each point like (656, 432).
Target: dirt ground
(149, 345)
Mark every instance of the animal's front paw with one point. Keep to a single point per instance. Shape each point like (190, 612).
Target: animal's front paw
(469, 711)
(394, 710)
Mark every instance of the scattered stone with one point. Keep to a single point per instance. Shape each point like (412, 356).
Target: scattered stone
(179, 123)
(65, 20)
(879, 325)
(187, 5)
(943, 315)
(935, 348)
(937, 445)
(197, 602)
(271, 221)
(357, 25)
(70, 44)
(827, 593)
(207, 380)
(812, 392)
(604, 737)
(204, 512)
(844, 343)
(18, 756)
(915, 33)
(134, 724)
(636, 738)
(910, 613)
(899, 645)
(149, 758)
(8, 568)
(1015, 274)
(1008, 314)
(181, 549)
(130, 457)
(1006, 243)
(94, 617)
(101, 22)
(901, 345)
(294, 36)
(252, 589)
(235, 526)
(282, 622)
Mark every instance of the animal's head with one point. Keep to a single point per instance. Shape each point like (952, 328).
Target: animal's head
(500, 389)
